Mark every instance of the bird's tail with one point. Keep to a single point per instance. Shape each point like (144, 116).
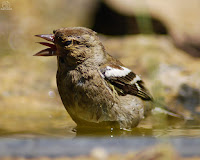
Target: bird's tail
(162, 108)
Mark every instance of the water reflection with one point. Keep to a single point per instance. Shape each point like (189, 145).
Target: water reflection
(60, 126)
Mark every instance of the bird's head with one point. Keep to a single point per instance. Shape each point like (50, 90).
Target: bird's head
(73, 45)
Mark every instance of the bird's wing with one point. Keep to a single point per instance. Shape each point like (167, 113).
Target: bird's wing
(125, 81)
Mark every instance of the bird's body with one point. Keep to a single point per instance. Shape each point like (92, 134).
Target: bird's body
(90, 99)
(95, 88)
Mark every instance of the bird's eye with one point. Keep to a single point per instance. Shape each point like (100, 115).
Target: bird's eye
(76, 42)
(67, 43)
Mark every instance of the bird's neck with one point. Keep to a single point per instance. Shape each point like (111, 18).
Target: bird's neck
(94, 57)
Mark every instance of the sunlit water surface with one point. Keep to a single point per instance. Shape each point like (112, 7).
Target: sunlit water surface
(57, 123)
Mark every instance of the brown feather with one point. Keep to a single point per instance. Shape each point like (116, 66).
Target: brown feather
(123, 84)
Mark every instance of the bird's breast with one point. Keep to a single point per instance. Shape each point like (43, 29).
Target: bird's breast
(84, 95)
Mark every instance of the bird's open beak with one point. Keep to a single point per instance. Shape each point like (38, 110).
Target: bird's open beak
(51, 51)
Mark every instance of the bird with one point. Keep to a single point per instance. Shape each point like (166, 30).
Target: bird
(96, 89)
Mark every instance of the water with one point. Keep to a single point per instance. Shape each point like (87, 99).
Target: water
(52, 134)
(56, 122)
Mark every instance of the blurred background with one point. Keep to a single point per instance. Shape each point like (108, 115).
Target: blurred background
(159, 40)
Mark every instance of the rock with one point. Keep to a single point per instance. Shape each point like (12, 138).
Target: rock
(99, 153)
(180, 17)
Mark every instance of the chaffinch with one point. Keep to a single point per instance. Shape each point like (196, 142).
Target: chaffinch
(96, 89)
